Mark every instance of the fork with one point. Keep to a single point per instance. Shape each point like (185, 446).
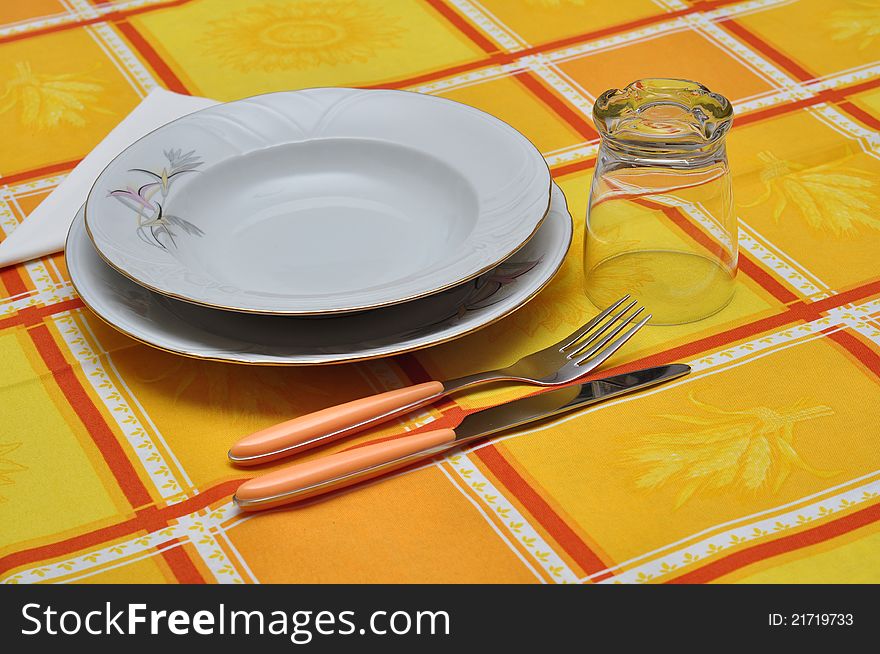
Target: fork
(580, 352)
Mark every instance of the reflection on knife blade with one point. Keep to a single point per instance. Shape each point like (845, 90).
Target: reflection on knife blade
(551, 403)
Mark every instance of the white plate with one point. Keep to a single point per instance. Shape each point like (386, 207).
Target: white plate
(214, 334)
(318, 201)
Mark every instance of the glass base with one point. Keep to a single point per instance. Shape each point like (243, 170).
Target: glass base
(675, 287)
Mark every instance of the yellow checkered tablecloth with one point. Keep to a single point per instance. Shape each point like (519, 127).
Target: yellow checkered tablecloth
(762, 466)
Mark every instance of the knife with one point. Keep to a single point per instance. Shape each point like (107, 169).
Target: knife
(304, 480)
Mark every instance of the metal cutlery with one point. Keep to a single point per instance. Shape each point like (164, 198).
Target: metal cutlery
(304, 480)
(574, 356)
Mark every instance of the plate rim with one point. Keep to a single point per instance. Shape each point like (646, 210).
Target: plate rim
(355, 358)
(335, 311)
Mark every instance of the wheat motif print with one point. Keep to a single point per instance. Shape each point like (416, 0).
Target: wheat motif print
(830, 197)
(235, 394)
(747, 451)
(45, 102)
(8, 466)
(859, 22)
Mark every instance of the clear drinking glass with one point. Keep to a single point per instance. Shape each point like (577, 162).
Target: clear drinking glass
(660, 223)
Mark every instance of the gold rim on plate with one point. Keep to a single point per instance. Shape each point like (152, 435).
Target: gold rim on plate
(319, 312)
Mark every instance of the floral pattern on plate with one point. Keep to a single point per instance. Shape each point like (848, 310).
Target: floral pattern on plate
(154, 222)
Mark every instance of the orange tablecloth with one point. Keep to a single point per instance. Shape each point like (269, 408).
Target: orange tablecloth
(762, 466)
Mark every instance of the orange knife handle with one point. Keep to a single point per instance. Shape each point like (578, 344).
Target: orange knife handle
(330, 424)
(324, 474)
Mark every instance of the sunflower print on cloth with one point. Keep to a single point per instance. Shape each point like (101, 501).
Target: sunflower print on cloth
(298, 35)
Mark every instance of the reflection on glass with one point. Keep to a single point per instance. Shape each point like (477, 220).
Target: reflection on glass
(660, 223)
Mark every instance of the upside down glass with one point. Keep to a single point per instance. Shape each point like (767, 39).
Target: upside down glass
(660, 223)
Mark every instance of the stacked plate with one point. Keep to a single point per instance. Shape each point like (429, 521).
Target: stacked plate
(318, 226)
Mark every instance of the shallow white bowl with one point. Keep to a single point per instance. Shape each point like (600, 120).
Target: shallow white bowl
(318, 201)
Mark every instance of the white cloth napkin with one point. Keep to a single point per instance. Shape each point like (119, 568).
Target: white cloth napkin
(45, 229)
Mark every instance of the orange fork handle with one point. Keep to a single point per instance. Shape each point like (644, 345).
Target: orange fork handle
(327, 425)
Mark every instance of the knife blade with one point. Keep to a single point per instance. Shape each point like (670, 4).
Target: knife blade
(548, 404)
(304, 480)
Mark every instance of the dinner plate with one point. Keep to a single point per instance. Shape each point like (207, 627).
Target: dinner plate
(206, 333)
(318, 201)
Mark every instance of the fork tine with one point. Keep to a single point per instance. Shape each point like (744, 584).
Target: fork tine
(582, 331)
(586, 352)
(597, 360)
(601, 330)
